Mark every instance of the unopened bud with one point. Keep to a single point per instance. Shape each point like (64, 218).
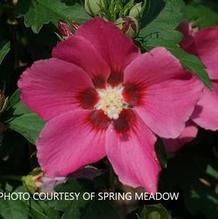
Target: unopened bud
(128, 25)
(64, 29)
(136, 10)
(38, 181)
(93, 7)
(33, 181)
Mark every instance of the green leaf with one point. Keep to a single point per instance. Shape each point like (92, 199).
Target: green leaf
(201, 15)
(192, 63)
(202, 200)
(45, 11)
(41, 210)
(212, 171)
(103, 209)
(154, 212)
(189, 61)
(20, 119)
(4, 50)
(29, 125)
(164, 25)
(71, 208)
(13, 209)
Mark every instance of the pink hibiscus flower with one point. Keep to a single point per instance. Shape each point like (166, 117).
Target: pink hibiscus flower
(101, 97)
(203, 44)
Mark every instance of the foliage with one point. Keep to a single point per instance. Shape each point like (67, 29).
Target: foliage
(202, 13)
(4, 51)
(42, 12)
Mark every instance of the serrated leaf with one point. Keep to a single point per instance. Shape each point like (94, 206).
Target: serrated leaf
(4, 50)
(45, 11)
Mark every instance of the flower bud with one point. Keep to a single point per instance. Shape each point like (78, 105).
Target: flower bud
(93, 7)
(64, 29)
(135, 11)
(32, 181)
(128, 25)
(38, 181)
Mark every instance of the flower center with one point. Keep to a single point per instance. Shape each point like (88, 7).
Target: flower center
(111, 101)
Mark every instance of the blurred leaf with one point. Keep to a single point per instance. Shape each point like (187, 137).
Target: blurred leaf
(189, 61)
(38, 209)
(202, 13)
(154, 212)
(76, 209)
(15, 98)
(202, 200)
(102, 209)
(67, 205)
(45, 11)
(164, 25)
(41, 210)
(71, 208)
(13, 209)
(4, 50)
(212, 172)
(21, 120)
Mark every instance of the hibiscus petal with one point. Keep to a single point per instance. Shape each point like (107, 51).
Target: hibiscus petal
(132, 155)
(69, 142)
(78, 50)
(207, 48)
(50, 87)
(206, 113)
(153, 67)
(167, 95)
(117, 49)
(168, 105)
(187, 135)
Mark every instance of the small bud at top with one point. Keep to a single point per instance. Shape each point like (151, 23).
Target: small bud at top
(64, 29)
(135, 11)
(93, 7)
(128, 25)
